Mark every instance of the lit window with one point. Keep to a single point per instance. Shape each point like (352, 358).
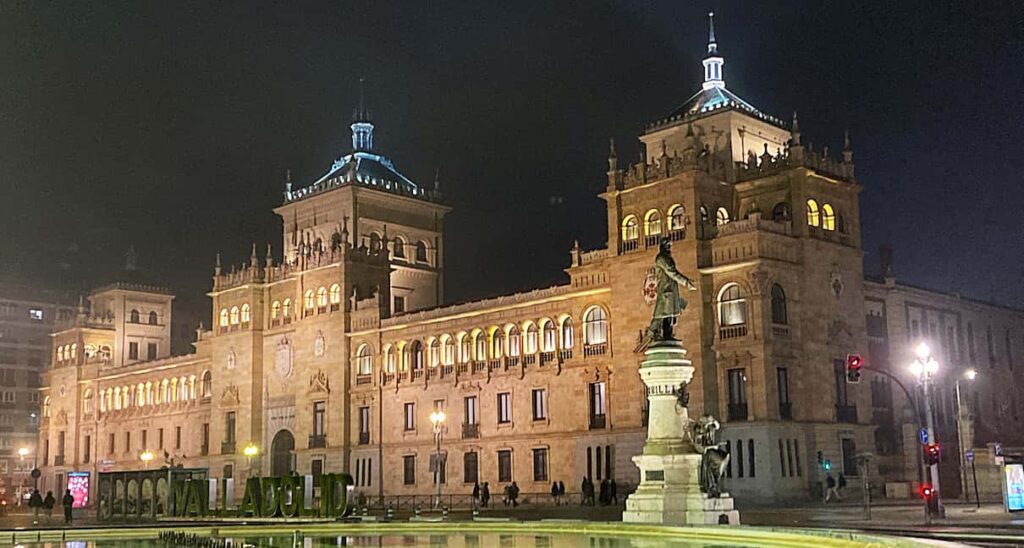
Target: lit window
(548, 342)
(479, 346)
(275, 310)
(676, 217)
(286, 308)
(398, 248)
(514, 341)
(246, 313)
(630, 229)
(497, 343)
(447, 350)
(234, 315)
(652, 223)
(207, 383)
(335, 294)
(465, 348)
(567, 334)
(779, 313)
(224, 317)
(595, 326)
(828, 217)
(722, 216)
(308, 299)
(46, 407)
(321, 297)
(434, 351)
(87, 401)
(415, 356)
(364, 360)
(813, 214)
(35, 314)
(732, 306)
(390, 360)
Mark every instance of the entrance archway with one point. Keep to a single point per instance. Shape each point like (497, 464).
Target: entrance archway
(281, 454)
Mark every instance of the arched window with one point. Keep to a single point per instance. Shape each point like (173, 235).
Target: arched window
(567, 335)
(514, 342)
(286, 308)
(152, 317)
(828, 217)
(60, 353)
(530, 341)
(158, 394)
(321, 297)
(497, 343)
(548, 338)
(165, 387)
(722, 216)
(140, 395)
(192, 394)
(173, 390)
(374, 242)
(652, 223)
(781, 212)
(149, 393)
(434, 353)
(335, 294)
(398, 248)
(630, 229)
(779, 313)
(74, 350)
(421, 252)
(447, 350)
(246, 313)
(479, 346)
(103, 401)
(87, 401)
(813, 214)
(90, 350)
(117, 397)
(46, 407)
(307, 300)
(364, 360)
(223, 317)
(595, 326)
(465, 348)
(126, 397)
(133, 316)
(676, 217)
(183, 389)
(732, 306)
(275, 310)
(390, 360)
(207, 389)
(234, 315)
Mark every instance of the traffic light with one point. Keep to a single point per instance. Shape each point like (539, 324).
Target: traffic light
(932, 453)
(854, 363)
(931, 498)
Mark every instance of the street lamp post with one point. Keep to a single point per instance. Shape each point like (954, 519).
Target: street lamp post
(250, 452)
(925, 367)
(145, 457)
(437, 421)
(970, 375)
(22, 453)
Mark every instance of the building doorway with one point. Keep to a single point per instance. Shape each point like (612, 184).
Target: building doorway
(281, 463)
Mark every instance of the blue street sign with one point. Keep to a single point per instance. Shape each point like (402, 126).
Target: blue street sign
(922, 435)
(969, 455)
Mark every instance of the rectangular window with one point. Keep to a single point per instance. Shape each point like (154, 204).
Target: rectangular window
(439, 406)
(127, 442)
(739, 458)
(750, 457)
(470, 467)
(133, 351)
(505, 465)
(60, 444)
(160, 438)
(409, 469)
(399, 304)
(471, 410)
(205, 441)
(110, 444)
(540, 404)
(364, 425)
(782, 383)
(316, 469)
(229, 427)
(145, 439)
(598, 404)
(737, 387)
(410, 416)
(87, 450)
(540, 464)
(177, 437)
(35, 314)
(319, 417)
(849, 447)
(151, 351)
(504, 408)
(971, 352)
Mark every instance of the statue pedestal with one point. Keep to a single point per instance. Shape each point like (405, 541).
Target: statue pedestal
(669, 490)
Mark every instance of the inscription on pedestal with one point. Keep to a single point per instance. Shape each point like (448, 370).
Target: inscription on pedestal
(654, 475)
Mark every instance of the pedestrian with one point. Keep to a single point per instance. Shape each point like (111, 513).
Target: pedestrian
(561, 490)
(476, 493)
(583, 491)
(830, 488)
(48, 503)
(485, 495)
(613, 490)
(67, 502)
(589, 495)
(505, 495)
(604, 497)
(513, 494)
(842, 485)
(554, 492)
(35, 502)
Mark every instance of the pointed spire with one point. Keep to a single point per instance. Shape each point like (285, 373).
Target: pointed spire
(362, 127)
(713, 77)
(288, 181)
(847, 148)
(270, 256)
(216, 265)
(794, 131)
(129, 259)
(613, 157)
(254, 261)
(437, 180)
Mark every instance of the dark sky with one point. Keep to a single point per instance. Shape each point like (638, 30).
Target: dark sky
(170, 125)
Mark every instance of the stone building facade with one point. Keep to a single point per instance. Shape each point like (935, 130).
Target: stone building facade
(334, 358)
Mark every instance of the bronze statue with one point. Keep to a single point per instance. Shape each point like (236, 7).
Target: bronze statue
(667, 301)
(714, 457)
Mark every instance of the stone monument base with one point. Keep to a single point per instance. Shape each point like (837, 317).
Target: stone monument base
(669, 493)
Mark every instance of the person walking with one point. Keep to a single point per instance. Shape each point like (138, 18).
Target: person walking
(830, 488)
(35, 502)
(48, 503)
(603, 497)
(561, 491)
(841, 485)
(513, 494)
(485, 495)
(68, 501)
(583, 491)
(476, 493)
(554, 492)
(613, 491)
(504, 495)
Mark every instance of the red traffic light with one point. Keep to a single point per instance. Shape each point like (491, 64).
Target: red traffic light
(926, 490)
(932, 453)
(854, 363)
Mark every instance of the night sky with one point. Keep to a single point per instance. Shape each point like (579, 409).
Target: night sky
(170, 125)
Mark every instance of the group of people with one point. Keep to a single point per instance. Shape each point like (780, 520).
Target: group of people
(557, 492)
(37, 502)
(833, 487)
(482, 496)
(609, 493)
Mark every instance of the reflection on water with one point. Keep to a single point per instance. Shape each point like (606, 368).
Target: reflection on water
(453, 540)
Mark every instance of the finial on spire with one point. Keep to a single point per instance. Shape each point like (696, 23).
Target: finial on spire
(713, 77)
(270, 256)
(794, 131)
(847, 148)
(253, 259)
(216, 265)
(712, 45)
(613, 156)
(362, 127)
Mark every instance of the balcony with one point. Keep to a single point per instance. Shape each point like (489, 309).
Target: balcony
(546, 357)
(462, 368)
(387, 378)
(470, 431)
(565, 354)
(335, 307)
(786, 411)
(494, 365)
(479, 367)
(629, 245)
(738, 411)
(598, 422)
(364, 438)
(227, 448)
(58, 460)
(594, 349)
(732, 331)
(317, 441)
(846, 414)
(364, 378)
(447, 370)
(417, 373)
(780, 331)
(511, 362)
(529, 359)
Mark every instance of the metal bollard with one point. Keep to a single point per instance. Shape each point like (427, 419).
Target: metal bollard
(390, 513)
(444, 513)
(476, 512)
(366, 511)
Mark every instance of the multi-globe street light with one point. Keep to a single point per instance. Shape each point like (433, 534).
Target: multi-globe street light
(250, 451)
(145, 457)
(437, 421)
(924, 367)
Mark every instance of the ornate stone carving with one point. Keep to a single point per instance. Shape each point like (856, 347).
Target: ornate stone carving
(62, 418)
(760, 281)
(232, 360)
(283, 358)
(318, 382)
(319, 345)
(230, 395)
(835, 281)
